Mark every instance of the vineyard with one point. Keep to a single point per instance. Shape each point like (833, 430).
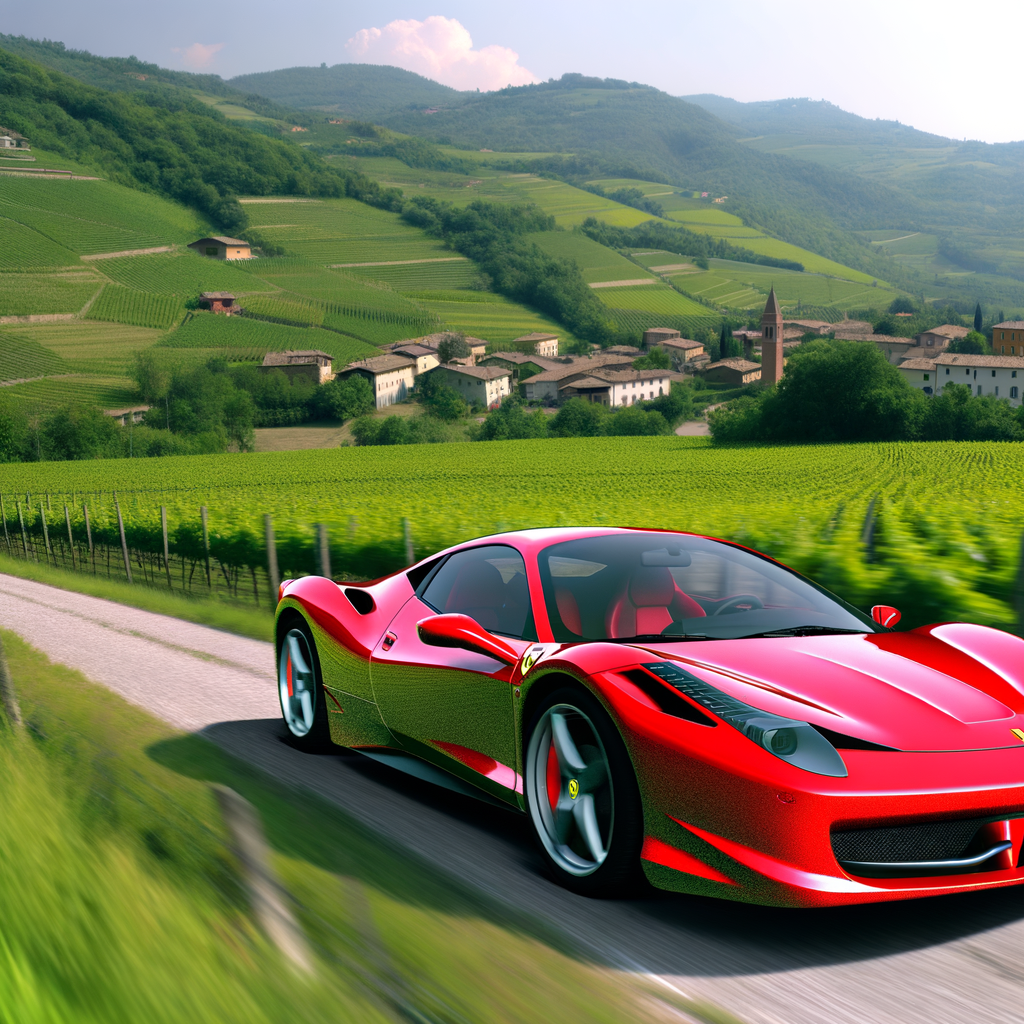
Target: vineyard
(490, 316)
(636, 321)
(185, 274)
(931, 528)
(658, 298)
(22, 357)
(88, 346)
(452, 273)
(21, 248)
(27, 294)
(141, 309)
(41, 396)
(598, 262)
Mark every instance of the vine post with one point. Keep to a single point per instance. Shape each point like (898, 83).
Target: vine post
(167, 553)
(124, 543)
(71, 539)
(3, 515)
(46, 536)
(323, 551)
(24, 535)
(272, 570)
(88, 536)
(206, 546)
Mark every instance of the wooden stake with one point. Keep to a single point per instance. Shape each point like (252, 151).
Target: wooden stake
(167, 553)
(71, 540)
(88, 534)
(410, 554)
(24, 535)
(272, 571)
(46, 537)
(3, 515)
(206, 546)
(323, 551)
(124, 543)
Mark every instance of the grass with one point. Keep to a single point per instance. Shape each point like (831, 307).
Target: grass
(184, 273)
(146, 921)
(106, 392)
(655, 299)
(21, 356)
(33, 294)
(420, 276)
(87, 346)
(22, 248)
(598, 262)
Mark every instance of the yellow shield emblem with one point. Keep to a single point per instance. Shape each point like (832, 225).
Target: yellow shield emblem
(574, 788)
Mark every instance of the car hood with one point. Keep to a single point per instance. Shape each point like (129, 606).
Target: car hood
(949, 687)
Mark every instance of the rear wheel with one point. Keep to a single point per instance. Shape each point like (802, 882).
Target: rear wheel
(300, 689)
(582, 796)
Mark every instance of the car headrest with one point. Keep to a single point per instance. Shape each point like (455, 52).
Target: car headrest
(478, 585)
(651, 587)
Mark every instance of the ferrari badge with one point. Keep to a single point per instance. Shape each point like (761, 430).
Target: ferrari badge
(574, 788)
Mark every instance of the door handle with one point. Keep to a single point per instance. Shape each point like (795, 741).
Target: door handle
(389, 640)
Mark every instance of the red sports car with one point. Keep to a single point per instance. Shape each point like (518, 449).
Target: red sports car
(679, 706)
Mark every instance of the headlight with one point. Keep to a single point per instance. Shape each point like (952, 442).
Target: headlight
(797, 742)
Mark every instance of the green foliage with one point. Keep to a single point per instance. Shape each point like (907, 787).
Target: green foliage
(389, 430)
(184, 273)
(957, 415)
(15, 441)
(578, 418)
(903, 304)
(22, 248)
(79, 432)
(452, 346)
(636, 421)
(656, 359)
(22, 357)
(143, 309)
(511, 422)
(973, 343)
(28, 294)
(344, 398)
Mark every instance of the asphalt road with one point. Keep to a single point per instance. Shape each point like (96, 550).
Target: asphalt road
(956, 959)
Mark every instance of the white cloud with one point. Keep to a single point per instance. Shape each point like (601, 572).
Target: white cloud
(199, 55)
(441, 49)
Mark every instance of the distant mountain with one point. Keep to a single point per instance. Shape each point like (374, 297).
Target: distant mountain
(366, 92)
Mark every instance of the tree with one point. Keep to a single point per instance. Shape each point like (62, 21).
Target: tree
(345, 398)
(79, 432)
(635, 421)
(239, 417)
(902, 304)
(677, 405)
(371, 430)
(511, 422)
(725, 342)
(656, 359)
(978, 320)
(578, 418)
(15, 442)
(452, 345)
(972, 343)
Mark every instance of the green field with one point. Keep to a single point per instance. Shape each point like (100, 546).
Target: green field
(34, 294)
(491, 317)
(21, 248)
(339, 231)
(41, 396)
(656, 298)
(88, 346)
(598, 262)
(121, 305)
(938, 505)
(22, 357)
(452, 273)
(182, 273)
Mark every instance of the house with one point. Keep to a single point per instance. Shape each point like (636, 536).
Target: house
(12, 140)
(683, 350)
(132, 414)
(999, 376)
(851, 330)
(426, 358)
(736, 372)
(219, 302)
(300, 363)
(1008, 338)
(616, 388)
(220, 247)
(622, 350)
(940, 337)
(488, 386)
(802, 327)
(656, 336)
(477, 346)
(391, 376)
(920, 373)
(543, 387)
(538, 343)
(521, 364)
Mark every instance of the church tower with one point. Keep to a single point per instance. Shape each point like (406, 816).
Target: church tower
(771, 342)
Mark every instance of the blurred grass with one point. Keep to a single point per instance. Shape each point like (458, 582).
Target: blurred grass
(125, 905)
(246, 620)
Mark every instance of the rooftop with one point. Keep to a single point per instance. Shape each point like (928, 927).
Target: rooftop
(536, 336)
(521, 358)
(294, 356)
(480, 372)
(917, 364)
(585, 365)
(223, 239)
(217, 295)
(684, 343)
(381, 364)
(603, 377)
(743, 365)
(433, 340)
(1010, 325)
(989, 362)
(771, 307)
(414, 349)
(948, 331)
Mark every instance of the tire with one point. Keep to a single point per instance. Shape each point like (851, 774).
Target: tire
(582, 796)
(300, 689)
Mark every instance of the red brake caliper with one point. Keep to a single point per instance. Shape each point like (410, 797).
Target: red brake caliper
(554, 778)
(291, 692)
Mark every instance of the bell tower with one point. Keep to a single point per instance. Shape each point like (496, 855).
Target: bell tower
(771, 342)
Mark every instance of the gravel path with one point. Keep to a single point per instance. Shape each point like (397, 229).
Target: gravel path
(949, 961)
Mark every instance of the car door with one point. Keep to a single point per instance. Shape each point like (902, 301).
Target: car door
(451, 707)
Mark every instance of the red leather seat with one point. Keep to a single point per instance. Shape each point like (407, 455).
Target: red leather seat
(568, 610)
(651, 601)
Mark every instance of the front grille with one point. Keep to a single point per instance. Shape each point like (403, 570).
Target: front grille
(937, 840)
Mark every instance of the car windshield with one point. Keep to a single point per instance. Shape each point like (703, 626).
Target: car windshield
(628, 585)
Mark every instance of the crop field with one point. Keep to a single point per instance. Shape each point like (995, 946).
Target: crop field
(27, 294)
(452, 273)
(246, 335)
(88, 346)
(337, 287)
(598, 262)
(22, 357)
(180, 273)
(142, 309)
(636, 321)
(491, 317)
(21, 248)
(40, 396)
(340, 231)
(945, 519)
(97, 216)
(655, 299)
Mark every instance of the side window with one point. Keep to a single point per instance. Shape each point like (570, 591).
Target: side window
(488, 584)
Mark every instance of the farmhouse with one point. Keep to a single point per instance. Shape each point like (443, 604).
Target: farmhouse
(426, 358)
(538, 343)
(616, 388)
(219, 302)
(305, 363)
(543, 387)
(1008, 338)
(131, 414)
(12, 140)
(477, 346)
(940, 337)
(655, 336)
(999, 376)
(390, 376)
(480, 385)
(683, 350)
(220, 247)
(734, 371)
(520, 364)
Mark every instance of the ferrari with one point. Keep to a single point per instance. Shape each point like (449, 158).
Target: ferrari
(671, 707)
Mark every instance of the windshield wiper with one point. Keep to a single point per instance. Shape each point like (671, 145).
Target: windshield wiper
(802, 631)
(649, 638)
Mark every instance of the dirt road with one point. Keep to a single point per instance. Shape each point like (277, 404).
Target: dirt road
(957, 960)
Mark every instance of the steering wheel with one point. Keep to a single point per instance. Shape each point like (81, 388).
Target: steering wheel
(732, 604)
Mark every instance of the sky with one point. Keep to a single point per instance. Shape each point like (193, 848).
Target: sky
(938, 67)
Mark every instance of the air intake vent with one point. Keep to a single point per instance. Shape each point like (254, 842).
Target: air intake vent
(935, 841)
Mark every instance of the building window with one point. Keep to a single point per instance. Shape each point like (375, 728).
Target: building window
(1013, 373)
(997, 391)
(927, 376)
(1014, 393)
(211, 251)
(979, 391)
(993, 373)
(1002, 350)
(947, 371)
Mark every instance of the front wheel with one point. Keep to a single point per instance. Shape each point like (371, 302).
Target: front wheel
(300, 689)
(582, 796)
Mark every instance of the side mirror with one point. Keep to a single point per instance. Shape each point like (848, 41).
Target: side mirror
(465, 633)
(885, 615)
